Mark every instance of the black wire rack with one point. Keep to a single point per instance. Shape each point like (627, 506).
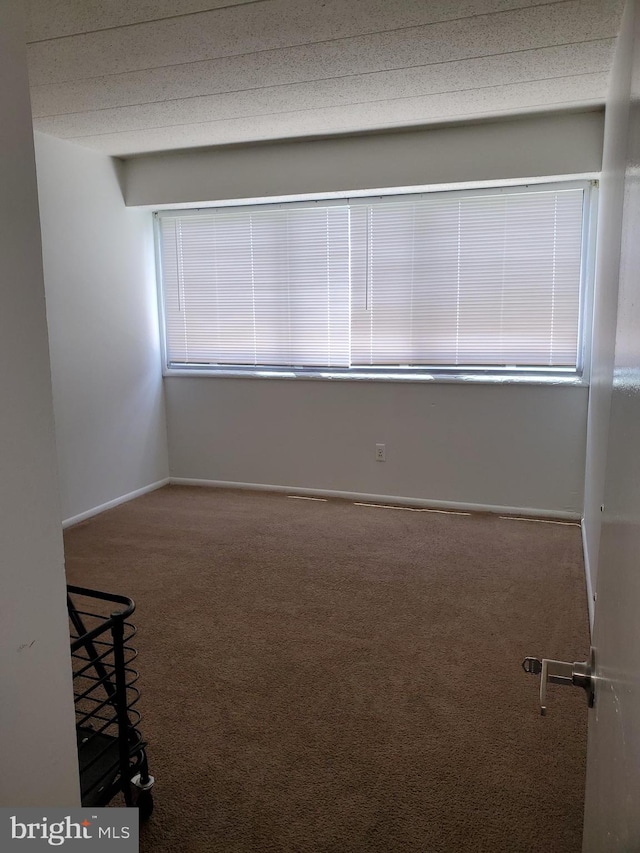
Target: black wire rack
(111, 750)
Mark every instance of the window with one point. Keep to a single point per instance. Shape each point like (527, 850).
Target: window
(464, 281)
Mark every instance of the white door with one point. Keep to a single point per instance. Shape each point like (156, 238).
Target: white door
(612, 805)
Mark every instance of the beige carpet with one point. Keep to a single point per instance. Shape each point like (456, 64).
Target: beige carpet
(320, 676)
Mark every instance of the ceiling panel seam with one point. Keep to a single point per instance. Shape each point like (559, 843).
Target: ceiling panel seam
(150, 21)
(350, 104)
(255, 2)
(318, 79)
(336, 39)
(346, 131)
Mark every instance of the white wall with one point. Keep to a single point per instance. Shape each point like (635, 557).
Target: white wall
(498, 445)
(102, 314)
(606, 299)
(529, 147)
(37, 735)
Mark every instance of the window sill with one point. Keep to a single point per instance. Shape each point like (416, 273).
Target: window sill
(420, 378)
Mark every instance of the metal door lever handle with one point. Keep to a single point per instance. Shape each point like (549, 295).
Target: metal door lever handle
(577, 674)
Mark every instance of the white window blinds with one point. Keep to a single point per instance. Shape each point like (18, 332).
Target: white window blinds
(486, 279)
(259, 287)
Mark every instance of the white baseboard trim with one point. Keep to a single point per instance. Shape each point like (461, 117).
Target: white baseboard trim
(454, 506)
(96, 510)
(587, 573)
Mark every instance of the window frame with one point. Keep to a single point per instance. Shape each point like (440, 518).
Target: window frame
(418, 373)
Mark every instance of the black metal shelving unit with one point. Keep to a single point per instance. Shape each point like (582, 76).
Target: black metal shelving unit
(111, 750)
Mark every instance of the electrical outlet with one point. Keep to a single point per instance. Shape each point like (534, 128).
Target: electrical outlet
(381, 453)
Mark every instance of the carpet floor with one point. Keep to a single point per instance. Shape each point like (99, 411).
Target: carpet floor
(322, 677)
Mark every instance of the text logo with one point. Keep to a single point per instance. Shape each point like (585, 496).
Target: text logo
(77, 830)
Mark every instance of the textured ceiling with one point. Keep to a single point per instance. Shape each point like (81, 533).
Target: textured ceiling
(131, 76)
